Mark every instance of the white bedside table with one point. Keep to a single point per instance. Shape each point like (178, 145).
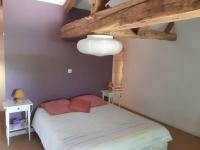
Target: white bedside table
(11, 106)
(111, 95)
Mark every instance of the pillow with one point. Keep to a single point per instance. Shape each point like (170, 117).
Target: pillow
(79, 105)
(56, 107)
(94, 100)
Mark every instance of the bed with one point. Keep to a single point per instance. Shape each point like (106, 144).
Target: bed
(107, 127)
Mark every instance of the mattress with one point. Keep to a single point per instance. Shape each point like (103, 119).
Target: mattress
(107, 127)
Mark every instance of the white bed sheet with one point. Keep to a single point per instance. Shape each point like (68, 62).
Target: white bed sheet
(107, 127)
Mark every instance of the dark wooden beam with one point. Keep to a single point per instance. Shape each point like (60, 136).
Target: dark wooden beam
(169, 27)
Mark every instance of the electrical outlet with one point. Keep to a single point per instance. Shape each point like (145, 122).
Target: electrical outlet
(69, 70)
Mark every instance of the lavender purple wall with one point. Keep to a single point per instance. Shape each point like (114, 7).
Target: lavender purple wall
(37, 58)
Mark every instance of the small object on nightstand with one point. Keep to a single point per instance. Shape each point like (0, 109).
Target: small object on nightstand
(111, 94)
(19, 95)
(110, 86)
(17, 126)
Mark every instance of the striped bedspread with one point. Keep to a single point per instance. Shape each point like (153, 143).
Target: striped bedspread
(105, 128)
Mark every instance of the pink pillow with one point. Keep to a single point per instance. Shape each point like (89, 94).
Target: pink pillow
(94, 100)
(56, 107)
(80, 106)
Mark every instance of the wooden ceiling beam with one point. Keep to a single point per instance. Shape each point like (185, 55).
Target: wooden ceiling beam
(142, 34)
(99, 15)
(124, 33)
(147, 33)
(69, 4)
(133, 14)
(169, 27)
(153, 34)
(143, 30)
(97, 5)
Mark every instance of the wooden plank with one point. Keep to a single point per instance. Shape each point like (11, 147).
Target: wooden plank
(153, 34)
(97, 5)
(124, 33)
(143, 30)
(69, 4)
(143, 33)
(169, 27)
(1, 16)
(139, 14)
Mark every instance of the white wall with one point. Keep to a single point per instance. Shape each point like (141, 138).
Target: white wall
(162, 79)
(2, 63)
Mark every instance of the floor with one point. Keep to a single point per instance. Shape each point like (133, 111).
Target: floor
(182, 140)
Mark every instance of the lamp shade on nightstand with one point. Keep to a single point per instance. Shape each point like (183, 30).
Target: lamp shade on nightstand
(19, 95)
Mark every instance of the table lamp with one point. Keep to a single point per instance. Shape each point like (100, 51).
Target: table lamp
(110, 86)
(19, 95)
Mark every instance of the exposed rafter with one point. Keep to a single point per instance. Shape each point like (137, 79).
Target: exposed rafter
(97, 5)
(69, 4)
(124, 33)
(153, 34)
(169, 27)
(142, 34)
(99, 15)
(133, 14)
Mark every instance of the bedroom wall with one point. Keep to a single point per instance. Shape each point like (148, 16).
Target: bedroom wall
(37, 58)
(2, 62)
(162, 79)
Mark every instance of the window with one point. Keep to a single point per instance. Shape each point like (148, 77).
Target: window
(58, 2)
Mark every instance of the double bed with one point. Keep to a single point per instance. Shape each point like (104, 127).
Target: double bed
(106, 127)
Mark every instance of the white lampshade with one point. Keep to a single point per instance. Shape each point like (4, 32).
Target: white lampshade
(99, 45)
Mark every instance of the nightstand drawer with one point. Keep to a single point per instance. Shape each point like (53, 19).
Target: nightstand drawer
(117, 94)
(18, 108)
(111, 94)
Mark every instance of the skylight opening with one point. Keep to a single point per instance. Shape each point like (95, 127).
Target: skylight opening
(57, 2)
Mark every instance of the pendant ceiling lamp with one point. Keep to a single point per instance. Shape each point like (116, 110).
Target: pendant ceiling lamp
(99, 45)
